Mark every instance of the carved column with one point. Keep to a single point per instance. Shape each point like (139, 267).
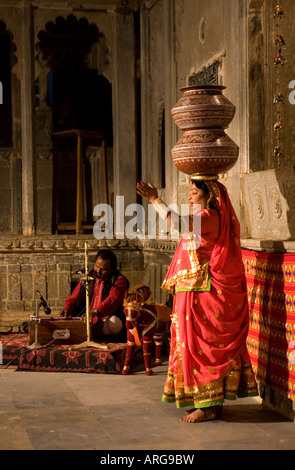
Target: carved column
(257, 87)
(124, 112)
(27, 121)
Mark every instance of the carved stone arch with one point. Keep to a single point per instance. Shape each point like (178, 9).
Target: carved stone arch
(67, 41)
(99, 57)
(5, 30)
(9, 59)
(70, 36)
(71, 43)
(97, 53)
(72, 93)
(62, 39)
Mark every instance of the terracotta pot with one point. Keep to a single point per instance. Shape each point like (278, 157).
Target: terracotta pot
(203, 106)
(205, 150)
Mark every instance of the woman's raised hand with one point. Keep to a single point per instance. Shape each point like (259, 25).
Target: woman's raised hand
(147, 190)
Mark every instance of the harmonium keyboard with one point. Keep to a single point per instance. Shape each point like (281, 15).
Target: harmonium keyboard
(58, 331)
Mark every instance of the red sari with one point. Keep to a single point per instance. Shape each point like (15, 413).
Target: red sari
(208, 356)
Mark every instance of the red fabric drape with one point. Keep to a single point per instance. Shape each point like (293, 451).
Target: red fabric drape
(271, 337)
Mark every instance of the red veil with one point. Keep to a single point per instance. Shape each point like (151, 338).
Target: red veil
(210, 318)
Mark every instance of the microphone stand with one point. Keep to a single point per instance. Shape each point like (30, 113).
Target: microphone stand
(88, 343)
(36, 319)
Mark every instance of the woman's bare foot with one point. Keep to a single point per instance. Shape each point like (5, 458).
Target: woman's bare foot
(200, 415)
(187, 412)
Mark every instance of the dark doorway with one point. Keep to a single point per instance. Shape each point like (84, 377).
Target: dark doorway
(5, 84)
(80, 99)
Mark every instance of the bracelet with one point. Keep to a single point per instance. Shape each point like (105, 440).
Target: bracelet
(161, 208)
(158, 201)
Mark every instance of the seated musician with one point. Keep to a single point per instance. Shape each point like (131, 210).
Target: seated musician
(106, 295)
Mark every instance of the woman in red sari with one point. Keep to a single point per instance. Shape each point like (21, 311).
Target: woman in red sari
(208, 359)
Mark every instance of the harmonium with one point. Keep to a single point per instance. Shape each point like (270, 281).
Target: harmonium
(57, 331)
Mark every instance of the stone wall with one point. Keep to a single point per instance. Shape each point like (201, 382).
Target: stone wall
(49, 264)
(196, 35)
(27, 166)
(269, 199)
(239, 35)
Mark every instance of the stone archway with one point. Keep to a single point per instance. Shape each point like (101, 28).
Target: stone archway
(73, 94)
(65, 47)
(8, 60)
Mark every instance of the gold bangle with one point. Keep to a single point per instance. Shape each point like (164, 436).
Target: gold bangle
(161, 208)
(158, 201)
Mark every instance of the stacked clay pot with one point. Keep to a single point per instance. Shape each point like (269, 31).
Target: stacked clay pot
(204, 150)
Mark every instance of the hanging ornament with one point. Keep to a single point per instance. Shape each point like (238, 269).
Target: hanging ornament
(278, 12)
(277, 155)
(279, 98)
(279, 61)
(278, 124)
(280, 41)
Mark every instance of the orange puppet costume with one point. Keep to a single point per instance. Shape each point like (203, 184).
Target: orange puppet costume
(208, 359)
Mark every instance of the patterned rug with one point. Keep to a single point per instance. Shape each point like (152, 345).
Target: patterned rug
(271, 339)
(59, 358)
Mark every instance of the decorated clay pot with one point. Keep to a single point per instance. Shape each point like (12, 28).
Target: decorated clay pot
(203, 106)
(205, 150)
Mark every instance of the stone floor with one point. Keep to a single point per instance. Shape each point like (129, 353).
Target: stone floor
(70, 411)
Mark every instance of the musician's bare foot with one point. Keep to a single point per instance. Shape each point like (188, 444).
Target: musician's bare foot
(200, 415)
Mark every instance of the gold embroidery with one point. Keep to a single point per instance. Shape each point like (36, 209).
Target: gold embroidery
(216, 315)
(219, 292)
(214, 192)
(195, 301)
(196, 278)
(187, 317)
(238, 378)
(200, 352)
(183, 345)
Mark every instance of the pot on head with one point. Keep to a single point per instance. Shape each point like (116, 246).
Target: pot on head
(204, 151)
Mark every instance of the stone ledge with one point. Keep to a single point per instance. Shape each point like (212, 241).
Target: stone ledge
(76, 243)
(270, 246)
(58, 243)
(168, 246)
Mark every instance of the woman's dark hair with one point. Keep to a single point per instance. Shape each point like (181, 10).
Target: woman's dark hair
(200, 184)
(108, 254)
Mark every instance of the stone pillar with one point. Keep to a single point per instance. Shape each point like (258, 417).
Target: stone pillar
(171, 98)
(124, 108)
(28, 121)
